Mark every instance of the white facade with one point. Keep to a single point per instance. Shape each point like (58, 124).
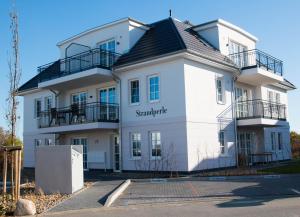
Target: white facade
(190, 117)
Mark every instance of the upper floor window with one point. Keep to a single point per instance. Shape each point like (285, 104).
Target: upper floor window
(79, 98)
(220, 90)
(37, 108)
(154, 89)
(239, 51)
(108, 47)
(37, 142)
(156, 148)
(277, 98)
(108, 95)
(48, 103)
(136, 151)
(134, 91)
(270, 96)
(222, 142)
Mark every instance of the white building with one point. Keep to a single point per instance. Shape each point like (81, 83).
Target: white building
(162, 96)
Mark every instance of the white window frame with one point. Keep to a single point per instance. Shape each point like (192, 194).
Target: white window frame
(273, 141)
(37, 143)
(151, 145)
(221, 79)
(107, 93)
(271, 96)
(36, 116)
(48, 142)
(149, 90)
(129, 89)
(46, 102)
(78, 93)
(277, 97)
(222, 143)
(131, 145)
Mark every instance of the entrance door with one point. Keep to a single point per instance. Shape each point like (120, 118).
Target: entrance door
(116, 151)
(245, 145)
(83, 142)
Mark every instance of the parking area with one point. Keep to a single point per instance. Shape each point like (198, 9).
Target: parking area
(260, 189)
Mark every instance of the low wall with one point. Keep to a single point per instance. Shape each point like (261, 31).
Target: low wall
(59, 169)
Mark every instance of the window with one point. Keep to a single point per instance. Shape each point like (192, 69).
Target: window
(136, 151)
(279, 141)
(273, 145)
(79, 98)
(134, 92)
(37, 108)
(37, 142)
(48, 142)
(155, 145)
(222, 142)
(241, 95)
(154, 88)
(108, 95)
(277, 98)
(48, 103)
(105, 58)
(240, 56)
(220, 90)
(271, 96)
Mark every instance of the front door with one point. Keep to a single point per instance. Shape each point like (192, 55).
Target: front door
(245, 145)
(116, 151)
(83, 142)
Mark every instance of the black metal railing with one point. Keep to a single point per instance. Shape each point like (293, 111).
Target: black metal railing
(260, 109)
(94, 58)
(257, 58)
(79, 114)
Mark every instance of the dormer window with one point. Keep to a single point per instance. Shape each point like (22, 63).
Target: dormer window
(107, 49)
(239, 51)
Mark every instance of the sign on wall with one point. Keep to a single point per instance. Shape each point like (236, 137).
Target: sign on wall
(152, 112)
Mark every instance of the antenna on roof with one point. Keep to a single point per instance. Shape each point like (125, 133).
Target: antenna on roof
(170, 13)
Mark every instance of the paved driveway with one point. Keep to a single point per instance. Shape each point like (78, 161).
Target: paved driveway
(93, 197)
(239, 190)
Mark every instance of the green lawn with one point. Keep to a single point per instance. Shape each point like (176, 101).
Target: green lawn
(291, 167)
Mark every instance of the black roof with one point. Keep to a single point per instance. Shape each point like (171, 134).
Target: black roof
(48, 72)
(166, 37)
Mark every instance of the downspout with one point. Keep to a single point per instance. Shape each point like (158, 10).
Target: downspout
(118, 80)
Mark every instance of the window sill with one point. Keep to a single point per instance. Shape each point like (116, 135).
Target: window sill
(134, 104)
(221, 103)
(136, 158)
(155, 158)
(225, 155)
(154, 101)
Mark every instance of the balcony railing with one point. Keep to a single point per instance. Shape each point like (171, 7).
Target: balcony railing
(260, 109)
(79, 114)
(95, 58)
(257, 58)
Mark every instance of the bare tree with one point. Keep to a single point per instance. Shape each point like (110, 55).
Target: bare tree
(14, 76)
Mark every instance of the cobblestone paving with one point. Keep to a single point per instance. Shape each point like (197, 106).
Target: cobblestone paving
(171, 191)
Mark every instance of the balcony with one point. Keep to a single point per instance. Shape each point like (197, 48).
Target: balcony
(260, 112)
(258, 67)
(79, 117)
(88, 67)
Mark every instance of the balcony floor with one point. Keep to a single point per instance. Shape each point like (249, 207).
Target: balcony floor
(79, 127)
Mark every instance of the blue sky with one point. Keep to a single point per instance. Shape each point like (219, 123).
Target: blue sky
(44, 23)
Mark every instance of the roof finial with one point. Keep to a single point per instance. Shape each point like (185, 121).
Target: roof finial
(170, 13)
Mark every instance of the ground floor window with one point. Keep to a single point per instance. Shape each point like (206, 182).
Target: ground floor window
(222, 142)
(279, 141)
(136, 151)
(273, 141)
(155, 139)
